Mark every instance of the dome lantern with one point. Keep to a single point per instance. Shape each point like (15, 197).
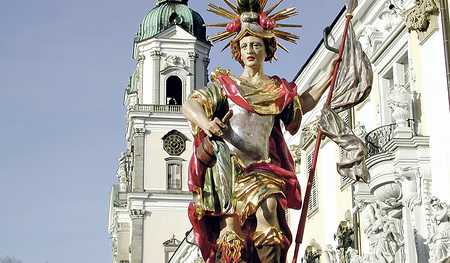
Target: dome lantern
(168, 13)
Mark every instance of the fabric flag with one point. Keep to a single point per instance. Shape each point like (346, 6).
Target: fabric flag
(354, 77)
(353, 85)
(351, 164)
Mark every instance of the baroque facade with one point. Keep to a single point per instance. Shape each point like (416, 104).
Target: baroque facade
(402, 215)
(147, 217)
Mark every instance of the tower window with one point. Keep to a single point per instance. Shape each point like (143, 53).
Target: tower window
(174, 91)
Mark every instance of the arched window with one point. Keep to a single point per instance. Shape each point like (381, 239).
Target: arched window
(174, 91)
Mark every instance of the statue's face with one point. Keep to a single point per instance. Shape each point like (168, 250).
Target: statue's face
(253, 51)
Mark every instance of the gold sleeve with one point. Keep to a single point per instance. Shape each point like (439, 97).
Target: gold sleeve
(212, 97)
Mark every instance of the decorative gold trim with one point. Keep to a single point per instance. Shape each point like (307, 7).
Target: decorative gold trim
(224, 11)
(216, 25)
(283, 12)
(230, 245)
(232, 6)
(268, 237)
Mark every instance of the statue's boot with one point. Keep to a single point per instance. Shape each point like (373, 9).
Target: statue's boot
(268, 245)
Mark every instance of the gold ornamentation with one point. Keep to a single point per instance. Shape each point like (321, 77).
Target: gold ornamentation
(254, 187)
(247, 24)
(268, 237)
(198, 203)
(219, 72)
(230, 245)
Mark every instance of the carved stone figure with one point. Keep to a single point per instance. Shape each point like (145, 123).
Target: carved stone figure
(382, 231)
(345, 236)
(366, 211)
(387, 239)
(241, 195)
(352, 256)
(313, 253)
(439, 239)
(329, 255)
(122, 174)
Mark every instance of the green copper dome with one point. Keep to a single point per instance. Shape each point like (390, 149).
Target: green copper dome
(168, 13)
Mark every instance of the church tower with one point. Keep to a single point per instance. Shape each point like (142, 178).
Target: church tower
(148, 209)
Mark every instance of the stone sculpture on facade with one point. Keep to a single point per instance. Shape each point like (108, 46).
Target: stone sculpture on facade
(386, 238)
(381, 230)
(352, 256)
(329, 254)
(313, 253)
(345, 236)
(122, 174)
(439, 238)
(366, 211)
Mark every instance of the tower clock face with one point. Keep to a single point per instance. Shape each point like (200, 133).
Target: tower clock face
(174, 144)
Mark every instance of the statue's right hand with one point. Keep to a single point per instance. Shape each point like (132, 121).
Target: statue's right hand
(214, 127)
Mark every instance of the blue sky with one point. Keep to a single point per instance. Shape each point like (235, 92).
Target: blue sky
(64, 66)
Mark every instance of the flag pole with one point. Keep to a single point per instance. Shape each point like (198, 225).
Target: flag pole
(304, 212)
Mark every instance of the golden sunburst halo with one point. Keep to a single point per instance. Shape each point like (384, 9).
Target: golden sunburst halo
(234, 15)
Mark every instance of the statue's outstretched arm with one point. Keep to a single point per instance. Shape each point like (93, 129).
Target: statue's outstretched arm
(311, 96)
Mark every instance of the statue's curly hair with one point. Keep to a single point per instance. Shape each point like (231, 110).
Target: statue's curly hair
(269, 43)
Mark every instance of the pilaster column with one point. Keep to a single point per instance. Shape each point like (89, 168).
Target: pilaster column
(139, 77)
(156, 56)
(137, 223)
(193, 68)
(137, 181)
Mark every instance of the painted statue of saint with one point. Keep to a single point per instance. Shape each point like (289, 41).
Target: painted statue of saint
(243, 187)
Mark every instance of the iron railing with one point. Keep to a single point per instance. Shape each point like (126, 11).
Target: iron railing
(377, 139)
(157, 108)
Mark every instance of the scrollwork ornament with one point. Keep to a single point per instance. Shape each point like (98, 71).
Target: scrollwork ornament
(410, 180)
(175, 61)
(418, 18)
